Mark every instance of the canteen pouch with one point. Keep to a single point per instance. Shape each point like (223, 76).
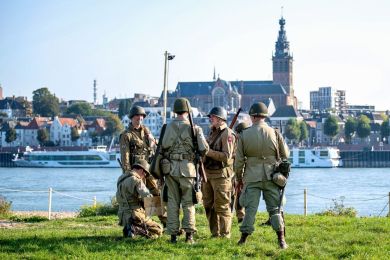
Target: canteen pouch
(279, 179)
(165, 165)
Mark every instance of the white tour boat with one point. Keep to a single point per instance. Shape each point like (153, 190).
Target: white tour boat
(324, 157)
(95, 157)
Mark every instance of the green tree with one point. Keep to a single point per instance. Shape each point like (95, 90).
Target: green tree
(363, 128)
(350, 129)
(304, 133)
(331, 127)
(293, 130)
(10, 135)
(113, 126)
(42, 136)
(74, 134)
(124, 107)
(82, 108)
(385, 130)
(45, 103)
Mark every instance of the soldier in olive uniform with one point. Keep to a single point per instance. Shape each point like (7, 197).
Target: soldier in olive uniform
(259, 145)
(137, 142)
(217, 190)
(130, 192)
(180, 172)
(240, 211)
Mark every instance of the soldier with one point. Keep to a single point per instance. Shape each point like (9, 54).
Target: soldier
(260, 145)
(217, 190)
(240, 211)
(130, 192)
(136, 143)
(179, 170)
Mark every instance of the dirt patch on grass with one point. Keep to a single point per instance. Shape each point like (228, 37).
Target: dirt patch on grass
(5, 223)
(54, 215)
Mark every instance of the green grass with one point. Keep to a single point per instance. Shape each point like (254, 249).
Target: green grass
(311, 237)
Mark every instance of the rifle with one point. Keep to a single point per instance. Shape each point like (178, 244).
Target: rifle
(237, 190)
(120, 163)
(200, 175)
(235, 118)
(155, 162)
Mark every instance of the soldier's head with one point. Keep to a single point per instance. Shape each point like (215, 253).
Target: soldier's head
(182, 106)
(241, 127)
(141, 166)
(137, 115)
(258, 111)
(218, 116)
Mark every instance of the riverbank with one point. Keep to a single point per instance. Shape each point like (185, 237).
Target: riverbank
(313, 237)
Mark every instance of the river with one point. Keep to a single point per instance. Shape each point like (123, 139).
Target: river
(365, 189)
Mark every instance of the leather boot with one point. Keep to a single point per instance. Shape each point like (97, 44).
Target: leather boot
(282, 242)
(173, 239)
(189, 238)
(243, 238)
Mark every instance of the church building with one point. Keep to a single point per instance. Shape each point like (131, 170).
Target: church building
(235, 94)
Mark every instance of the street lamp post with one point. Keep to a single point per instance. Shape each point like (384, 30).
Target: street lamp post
(167, 57)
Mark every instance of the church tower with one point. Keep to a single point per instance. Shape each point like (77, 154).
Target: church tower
(282, 62)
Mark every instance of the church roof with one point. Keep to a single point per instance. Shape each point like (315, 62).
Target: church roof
(195, 88)
(286, 111)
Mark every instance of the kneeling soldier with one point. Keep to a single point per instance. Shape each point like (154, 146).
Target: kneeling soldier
(130, 192)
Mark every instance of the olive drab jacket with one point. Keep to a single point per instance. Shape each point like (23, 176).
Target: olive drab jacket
(219, 159)
(177, 147)
(130, 192)
(257, 151)
(135, 144)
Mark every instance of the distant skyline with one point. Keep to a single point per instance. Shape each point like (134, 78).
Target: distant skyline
(65, 45)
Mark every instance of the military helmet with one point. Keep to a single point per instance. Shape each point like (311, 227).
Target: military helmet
(143, 164)
(137, 110)
(241, 126)
(218, 112)
(258, 109)
(181, 105)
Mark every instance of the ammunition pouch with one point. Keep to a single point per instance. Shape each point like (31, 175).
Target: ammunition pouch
(211, 164)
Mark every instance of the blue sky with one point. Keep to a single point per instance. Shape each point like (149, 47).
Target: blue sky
(65, 45)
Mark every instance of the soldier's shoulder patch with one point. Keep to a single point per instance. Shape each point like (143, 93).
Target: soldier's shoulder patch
(230, 138)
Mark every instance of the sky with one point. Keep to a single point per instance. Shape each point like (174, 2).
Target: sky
(65, 45)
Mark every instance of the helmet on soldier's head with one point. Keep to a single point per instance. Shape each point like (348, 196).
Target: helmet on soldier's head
(241, 126)
(218, 112)
(143, 164)
(137, 110)
(181, 105)
(258, 109)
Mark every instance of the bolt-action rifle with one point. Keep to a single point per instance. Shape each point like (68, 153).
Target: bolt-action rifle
(237, 190)
(235, 119)
(200, 173)
(155, 162)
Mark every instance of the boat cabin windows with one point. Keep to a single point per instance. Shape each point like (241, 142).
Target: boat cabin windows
(324, 153)
(301, 153)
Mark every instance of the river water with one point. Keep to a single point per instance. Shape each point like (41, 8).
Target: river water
(367, 190)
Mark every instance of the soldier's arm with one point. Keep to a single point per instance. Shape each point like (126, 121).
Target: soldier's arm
(228, 141)
(142, 190)
(151, 184)
(202, 143)
(239, 161)
(125, 152)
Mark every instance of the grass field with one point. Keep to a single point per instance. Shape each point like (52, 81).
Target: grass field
(311, 237)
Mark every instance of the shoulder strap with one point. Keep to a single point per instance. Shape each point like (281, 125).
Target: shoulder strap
(277, 145)
(216, 138)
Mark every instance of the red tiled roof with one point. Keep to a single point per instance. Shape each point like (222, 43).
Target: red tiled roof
(67, 121)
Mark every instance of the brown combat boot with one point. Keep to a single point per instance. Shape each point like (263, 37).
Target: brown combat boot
(243, 238)
(173, 239)
(189, 238)
(282, 242)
